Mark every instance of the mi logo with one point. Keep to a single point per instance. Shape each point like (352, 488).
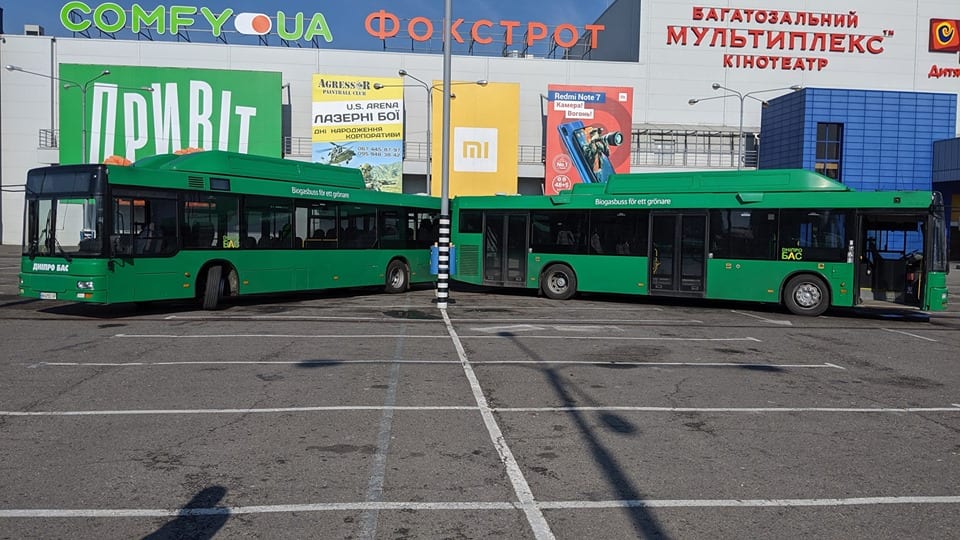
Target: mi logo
(475, 149)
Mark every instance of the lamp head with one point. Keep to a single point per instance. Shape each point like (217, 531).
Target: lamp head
(692, 101)
(715, 86)
(796, 87)
(482, 82)
(377, 86)
(8, 67)
(402, 73)
(105, 72)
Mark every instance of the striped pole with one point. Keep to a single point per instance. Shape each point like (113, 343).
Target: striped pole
(443, 248)
(443, 262)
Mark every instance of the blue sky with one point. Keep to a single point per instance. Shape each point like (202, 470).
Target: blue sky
(344, 18)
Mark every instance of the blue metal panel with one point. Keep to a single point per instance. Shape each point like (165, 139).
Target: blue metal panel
(887, 136)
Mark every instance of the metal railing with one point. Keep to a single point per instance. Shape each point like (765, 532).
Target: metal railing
(412, 150)
(681, 150)
(49, 138)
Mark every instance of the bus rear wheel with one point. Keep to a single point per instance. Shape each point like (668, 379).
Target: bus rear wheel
(398, 277)
(213, 290)
(559, 282)
(806, 295)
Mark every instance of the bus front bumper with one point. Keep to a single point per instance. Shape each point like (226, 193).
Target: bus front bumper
(64, 288)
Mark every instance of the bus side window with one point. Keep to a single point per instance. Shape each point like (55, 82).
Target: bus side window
(204, 233)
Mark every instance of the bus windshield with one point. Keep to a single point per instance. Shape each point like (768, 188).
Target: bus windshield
(67, 227)
(64, 216)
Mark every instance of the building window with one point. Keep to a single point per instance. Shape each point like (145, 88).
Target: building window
(829, 138)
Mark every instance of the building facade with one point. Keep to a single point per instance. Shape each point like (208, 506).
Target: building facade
(868, 139)
(668, 52)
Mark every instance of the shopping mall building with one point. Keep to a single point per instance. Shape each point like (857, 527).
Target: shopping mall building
(865, 91)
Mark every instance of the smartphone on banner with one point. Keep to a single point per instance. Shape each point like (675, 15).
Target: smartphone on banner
(589, 148)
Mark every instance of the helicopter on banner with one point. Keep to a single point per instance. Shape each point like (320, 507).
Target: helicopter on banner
(339, 153)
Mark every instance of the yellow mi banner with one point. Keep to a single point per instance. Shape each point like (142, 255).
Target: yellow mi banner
(484, 135)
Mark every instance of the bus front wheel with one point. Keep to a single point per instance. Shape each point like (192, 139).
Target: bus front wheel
(398, 277)
(559, 282)
(806, 295)
(213, 290)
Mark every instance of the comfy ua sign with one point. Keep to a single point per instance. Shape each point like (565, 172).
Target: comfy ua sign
(111, 17)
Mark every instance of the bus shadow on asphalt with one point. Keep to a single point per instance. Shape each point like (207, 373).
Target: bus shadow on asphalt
(869, 313)
(261, 304)
(313, 364)
(882, 314)
(613, 364)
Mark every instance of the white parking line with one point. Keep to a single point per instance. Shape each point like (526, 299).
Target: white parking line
(663, 364)
(955, 408)
(452, 362)
(909, 334)
(873, 410)
(281, 336)
(614, 338)
(266, 509)
(536, 519)
(553, 320)
(267, 410)
(557, 327)
(723, 503)
(286, 318)
(397, 336)
(466, 506)
(238, 362)
(764, 319)
(567, 306)
(369, 518)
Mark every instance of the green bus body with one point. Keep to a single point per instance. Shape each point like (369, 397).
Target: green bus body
(166, 226)
(779, 236)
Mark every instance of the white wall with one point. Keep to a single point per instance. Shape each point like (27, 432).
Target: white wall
(678, 73)
(666, 77)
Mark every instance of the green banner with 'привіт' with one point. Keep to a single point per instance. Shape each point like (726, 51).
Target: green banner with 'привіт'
(124, 113)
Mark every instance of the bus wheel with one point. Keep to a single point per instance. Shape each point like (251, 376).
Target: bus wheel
(398, 277)
(559, 282)
(213, 290)
(806, 295)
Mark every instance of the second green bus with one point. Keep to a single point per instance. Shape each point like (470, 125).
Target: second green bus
(789, 237)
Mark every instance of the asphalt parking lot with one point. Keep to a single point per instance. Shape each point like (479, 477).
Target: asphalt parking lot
(363, 415)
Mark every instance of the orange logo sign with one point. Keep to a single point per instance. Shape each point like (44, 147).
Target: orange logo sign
(944, 35)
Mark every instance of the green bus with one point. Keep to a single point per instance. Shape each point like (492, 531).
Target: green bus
(214, 224)
(789, 237)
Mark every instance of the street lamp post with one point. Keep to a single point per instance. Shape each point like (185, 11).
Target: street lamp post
(83, 100)
(742, 96)
(429, 118)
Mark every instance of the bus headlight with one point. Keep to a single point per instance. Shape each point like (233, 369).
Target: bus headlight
(85, 285)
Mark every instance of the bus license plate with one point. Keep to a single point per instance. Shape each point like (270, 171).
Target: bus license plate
(48, 296)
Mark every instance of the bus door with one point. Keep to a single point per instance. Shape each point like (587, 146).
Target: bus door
(678, 253)
(894, 250)
(505, 248)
